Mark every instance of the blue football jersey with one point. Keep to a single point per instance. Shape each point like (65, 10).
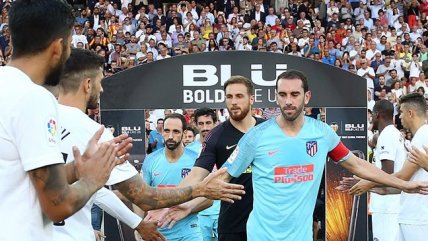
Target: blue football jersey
(156, 136)
(196, 146)
(287, 172)
(159, 172)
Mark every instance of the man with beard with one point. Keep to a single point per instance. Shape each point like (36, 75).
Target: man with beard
(389, 155)
(80, 89)
(166, 167)
(287, 155)
(35, 185)
(218, 146)
(413, 213)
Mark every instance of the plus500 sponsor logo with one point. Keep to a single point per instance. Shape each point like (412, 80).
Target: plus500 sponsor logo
(293, 174)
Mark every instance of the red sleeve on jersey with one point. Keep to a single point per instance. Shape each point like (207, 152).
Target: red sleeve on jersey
(339, 152)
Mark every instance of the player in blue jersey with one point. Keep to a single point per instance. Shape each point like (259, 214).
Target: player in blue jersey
(166, 167)
(287, 155)
(155, 136)
(218, 145)
(206, 120)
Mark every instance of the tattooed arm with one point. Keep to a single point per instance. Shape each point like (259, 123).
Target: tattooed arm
(60, 200)
(70, 172)
(148, 198)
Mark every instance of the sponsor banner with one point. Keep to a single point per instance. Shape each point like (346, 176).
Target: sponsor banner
(131, 122)
(197, 80)
(346, 215)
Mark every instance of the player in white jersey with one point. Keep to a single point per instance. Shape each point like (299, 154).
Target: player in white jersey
(77, 127)
(389, 156)
(413, 216)
(34, 185)
(419, 157)
(80, 88)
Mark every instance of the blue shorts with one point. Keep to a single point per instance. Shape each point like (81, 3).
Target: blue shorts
(191, 237)
(208, 225)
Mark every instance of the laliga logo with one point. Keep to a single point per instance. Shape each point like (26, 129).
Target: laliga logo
(52, 127)
(52, 131)
(210, 75)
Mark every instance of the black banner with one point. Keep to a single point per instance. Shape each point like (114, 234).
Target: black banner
(196, 80)
(131, 122)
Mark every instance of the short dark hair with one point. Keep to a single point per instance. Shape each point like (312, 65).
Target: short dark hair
(238, 79)
(188, 128)
(205, 112)
(81, 64)
(415, 101)
(384, 107)
(294, 74)
(35, 24)
(177, 116)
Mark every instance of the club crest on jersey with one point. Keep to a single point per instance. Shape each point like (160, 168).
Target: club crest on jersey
(52, 130)
(311, 148)
(184, 172)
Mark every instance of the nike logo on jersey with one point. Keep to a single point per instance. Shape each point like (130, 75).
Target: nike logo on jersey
(271, 153)
(230, 147)
(156, 174)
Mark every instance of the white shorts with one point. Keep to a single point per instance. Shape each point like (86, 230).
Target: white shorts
(385, 226)
(411, 232)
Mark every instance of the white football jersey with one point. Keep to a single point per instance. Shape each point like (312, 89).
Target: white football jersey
(414, 207)
(29, 132)
(76, 130)
(390, 146)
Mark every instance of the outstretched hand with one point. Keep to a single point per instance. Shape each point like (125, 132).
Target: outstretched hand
(148, 231)
(216, 187)
(156, 215)
(122, 143)
(417, 187)
(361, 187)
(419, 157)
(96, 170)
(174, 215)
(346, 183)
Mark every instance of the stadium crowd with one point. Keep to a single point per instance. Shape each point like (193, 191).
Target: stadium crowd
(382, 41)
(369, 38)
